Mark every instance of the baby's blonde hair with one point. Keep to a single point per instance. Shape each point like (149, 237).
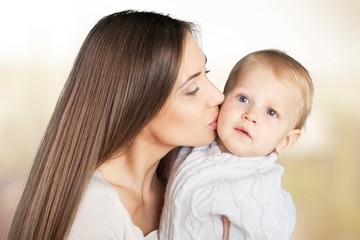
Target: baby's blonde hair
(285, 68)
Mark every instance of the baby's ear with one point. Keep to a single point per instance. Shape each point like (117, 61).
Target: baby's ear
(289, 140)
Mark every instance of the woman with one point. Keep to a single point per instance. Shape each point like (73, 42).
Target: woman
(137, 91)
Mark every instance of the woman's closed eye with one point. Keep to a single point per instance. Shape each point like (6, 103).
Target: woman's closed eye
(193, 92)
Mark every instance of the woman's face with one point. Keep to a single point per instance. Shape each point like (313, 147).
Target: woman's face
(189, 117)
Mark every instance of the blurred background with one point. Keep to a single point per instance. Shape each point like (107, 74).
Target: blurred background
(40, 39)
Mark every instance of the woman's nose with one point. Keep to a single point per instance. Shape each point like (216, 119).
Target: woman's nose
(217, 97)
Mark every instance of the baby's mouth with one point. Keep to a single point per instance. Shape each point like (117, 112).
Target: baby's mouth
(243, 132)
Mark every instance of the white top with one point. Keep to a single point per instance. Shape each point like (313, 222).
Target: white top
(101, 215)
(208, 184)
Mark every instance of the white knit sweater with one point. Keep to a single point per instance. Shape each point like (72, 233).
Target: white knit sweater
(208, 184)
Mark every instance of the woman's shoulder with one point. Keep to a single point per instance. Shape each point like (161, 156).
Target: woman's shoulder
(100, 197)
(99, 214)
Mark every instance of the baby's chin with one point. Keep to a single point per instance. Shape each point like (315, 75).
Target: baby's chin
(242, 151)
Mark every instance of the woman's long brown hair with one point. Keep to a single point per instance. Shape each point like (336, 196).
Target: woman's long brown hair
(122, 76)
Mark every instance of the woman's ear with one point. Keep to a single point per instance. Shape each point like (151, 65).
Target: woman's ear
(288, 141)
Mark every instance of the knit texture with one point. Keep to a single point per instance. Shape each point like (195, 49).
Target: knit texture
(206, 184)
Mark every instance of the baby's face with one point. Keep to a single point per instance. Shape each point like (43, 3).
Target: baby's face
(258, 113)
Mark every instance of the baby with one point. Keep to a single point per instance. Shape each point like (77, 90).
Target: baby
(268, 97)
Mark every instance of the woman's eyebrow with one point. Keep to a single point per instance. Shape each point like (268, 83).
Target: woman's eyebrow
(189, 79)
(192, 76)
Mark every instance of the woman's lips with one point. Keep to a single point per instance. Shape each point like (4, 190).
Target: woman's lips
(213, 123)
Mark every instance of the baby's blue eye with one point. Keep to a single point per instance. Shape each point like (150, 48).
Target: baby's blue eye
(271, 112)
(243, 99)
